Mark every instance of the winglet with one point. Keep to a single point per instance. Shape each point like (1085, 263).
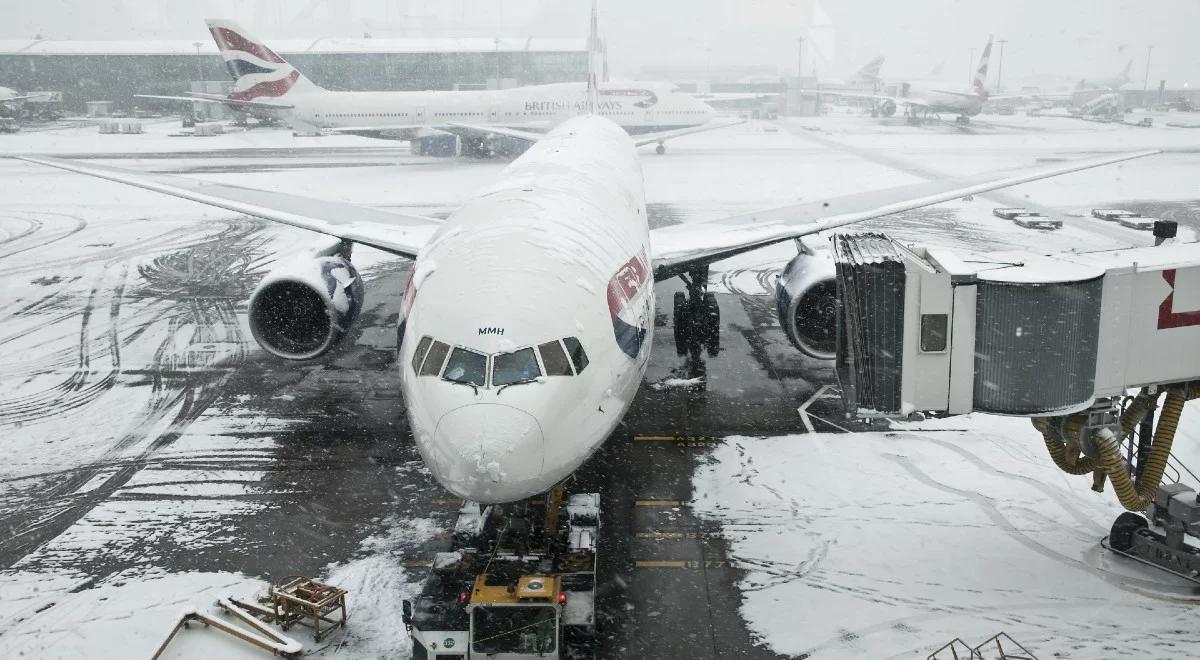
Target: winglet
(595, 59)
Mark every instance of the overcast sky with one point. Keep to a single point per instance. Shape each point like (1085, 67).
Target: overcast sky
(1074, 38)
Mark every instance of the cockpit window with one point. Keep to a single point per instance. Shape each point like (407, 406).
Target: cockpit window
(466, 367)
(515, 367)
(433, 363)
(577, 354)
(554, 359)
(419, 355)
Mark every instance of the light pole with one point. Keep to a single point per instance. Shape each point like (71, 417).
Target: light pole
(1146, 78)
(1000, 66)
(199, 63)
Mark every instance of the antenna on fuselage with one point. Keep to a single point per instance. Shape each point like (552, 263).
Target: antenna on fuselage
(594, 61)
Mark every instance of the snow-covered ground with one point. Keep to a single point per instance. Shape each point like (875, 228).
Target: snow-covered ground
(886, 545)
(862, 543)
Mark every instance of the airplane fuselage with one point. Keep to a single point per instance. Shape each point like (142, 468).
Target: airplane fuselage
(940, 97)
(553, 259)
(636, 107)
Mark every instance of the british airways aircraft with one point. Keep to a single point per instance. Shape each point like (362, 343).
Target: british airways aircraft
(527, 323)
(266, 83)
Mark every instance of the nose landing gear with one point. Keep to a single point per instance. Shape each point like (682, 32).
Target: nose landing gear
(697, 316)
(660, 149)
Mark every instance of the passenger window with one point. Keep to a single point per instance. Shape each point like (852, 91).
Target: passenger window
(575, 349)
(466, 367)
(515, 367)
(555, 359)
(433, 363)
(419, 355)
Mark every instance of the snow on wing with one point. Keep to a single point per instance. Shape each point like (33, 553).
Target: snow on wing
(397, 233)
(679, 247)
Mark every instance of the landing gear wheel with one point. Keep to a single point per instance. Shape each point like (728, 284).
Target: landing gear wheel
(660, 149)
(1120, 538)
(712, 324)
(682, 334)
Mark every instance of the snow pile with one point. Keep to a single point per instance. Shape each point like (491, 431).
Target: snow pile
(673, 383)
(857, 545)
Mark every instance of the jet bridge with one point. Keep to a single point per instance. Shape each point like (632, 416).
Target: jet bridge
(1061, 339)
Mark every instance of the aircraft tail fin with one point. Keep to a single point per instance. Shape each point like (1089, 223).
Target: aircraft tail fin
(870, 71)
(595, 61)
(980, 81)
(258, 72)
(1128, 67)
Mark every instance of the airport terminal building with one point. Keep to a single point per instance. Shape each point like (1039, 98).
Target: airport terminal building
(116, 70)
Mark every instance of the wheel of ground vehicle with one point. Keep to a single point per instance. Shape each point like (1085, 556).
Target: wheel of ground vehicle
(660, 149)
(682, 324)
(1127, 524)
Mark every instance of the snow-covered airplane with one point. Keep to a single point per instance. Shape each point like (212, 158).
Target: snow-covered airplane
(925, 98)
(1115, 82)
(10, 97)
(266, 84)
(527, 323)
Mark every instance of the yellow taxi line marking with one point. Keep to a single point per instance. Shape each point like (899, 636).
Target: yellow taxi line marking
(659, 564)
(418, 563)
(657, 503)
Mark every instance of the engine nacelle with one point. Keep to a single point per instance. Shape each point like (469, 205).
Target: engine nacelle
(806, 295)
(303, 309)
(887, 107)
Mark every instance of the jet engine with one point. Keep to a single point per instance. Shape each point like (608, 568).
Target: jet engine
(887, 107)
(806, 295)
(304, 308)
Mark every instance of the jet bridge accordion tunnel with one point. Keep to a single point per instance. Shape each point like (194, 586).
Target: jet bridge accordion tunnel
(1061, 339)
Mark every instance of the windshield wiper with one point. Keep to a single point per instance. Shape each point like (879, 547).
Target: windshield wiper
(468, 383)
(517, 382)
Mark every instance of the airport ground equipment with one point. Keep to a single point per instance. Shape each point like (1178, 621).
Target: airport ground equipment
(1000, 646)
(1112, 215)
(9, 125)
(518, 582)
(1008, 213)
(253, 632)
(1061, 339)
(299, 599)
(1034, 220)
(1137, 222)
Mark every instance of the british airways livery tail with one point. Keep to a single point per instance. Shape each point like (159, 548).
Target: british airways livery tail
(980, 81)
(259, 72)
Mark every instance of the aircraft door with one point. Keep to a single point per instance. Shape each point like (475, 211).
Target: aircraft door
(493, 114)
(904, 89)
(419, 115)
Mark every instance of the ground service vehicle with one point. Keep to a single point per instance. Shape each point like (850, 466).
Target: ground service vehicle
(519, 582)
(1033, 220)
(1112, 215)
(1008, 213)
(1136, 222)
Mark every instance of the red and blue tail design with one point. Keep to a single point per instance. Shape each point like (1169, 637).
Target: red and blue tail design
(629, 292)
(258, 71)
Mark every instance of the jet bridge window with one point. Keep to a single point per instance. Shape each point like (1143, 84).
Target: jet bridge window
(516, 367)
(435, 359)
(466, 367)
(575, 349)
(554, 359)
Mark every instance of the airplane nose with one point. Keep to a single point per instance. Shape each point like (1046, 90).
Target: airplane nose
(489, 453)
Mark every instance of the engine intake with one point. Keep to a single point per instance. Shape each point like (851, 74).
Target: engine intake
(303, 309)
(806, 296)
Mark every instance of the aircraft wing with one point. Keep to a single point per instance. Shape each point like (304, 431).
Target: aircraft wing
(643, 139)
(528, 136)
(898, 100)
(217, 98)
(18, 98)
(640, 139)
(677, 248)
(397, 233)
